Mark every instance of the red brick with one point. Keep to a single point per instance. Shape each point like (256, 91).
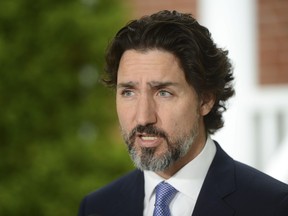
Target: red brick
(144, 7)
(273, 41)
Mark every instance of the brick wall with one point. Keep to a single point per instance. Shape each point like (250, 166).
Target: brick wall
(144, 7)
(273, 41)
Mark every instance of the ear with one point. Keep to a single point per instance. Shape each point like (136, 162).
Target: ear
(207, 104)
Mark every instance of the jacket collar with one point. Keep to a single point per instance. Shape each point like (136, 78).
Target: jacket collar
(218, 184)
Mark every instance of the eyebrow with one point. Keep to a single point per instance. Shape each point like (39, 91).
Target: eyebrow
(152, 84)
(156, 84)
(126, 85)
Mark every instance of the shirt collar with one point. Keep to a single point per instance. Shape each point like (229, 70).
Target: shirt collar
(189, 179)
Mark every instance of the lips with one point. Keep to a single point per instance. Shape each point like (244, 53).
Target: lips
(148, 138)
(148, 141)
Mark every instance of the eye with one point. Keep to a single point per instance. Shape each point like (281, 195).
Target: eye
(127, 93)
(164, 93)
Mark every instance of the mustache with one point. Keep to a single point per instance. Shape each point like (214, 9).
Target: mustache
(147, 129)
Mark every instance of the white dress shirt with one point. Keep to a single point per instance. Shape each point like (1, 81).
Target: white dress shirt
(188, 181)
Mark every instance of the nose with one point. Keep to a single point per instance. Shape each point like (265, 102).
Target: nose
(146, 112)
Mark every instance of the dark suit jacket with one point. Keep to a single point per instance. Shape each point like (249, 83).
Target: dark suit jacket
(230, 188)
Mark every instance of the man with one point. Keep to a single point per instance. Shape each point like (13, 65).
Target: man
(171, 84)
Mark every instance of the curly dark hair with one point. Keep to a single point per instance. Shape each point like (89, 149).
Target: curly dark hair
(207, 68)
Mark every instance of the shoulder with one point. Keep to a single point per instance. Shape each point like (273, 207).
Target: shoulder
(244, 175)
(117, 187)
(260, 191)
(252, 178)
(114, 194)
(247, 189)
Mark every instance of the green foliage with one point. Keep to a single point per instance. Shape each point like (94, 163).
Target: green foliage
(58, 131)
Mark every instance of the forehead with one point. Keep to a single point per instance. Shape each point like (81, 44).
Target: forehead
(153, 65)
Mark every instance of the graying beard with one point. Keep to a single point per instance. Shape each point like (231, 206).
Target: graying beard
(147, 161)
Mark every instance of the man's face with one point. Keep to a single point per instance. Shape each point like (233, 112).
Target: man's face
(159, 112)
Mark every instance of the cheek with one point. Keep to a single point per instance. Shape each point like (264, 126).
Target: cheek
(180, 120)
(182, 123)
(121, 115)
(124, 117)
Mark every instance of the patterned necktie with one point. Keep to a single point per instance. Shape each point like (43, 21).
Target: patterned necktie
(164, 195)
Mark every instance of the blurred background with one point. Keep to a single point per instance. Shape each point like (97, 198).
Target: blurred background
(59, 136)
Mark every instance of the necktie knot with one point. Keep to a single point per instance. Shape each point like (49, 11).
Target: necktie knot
(164, 195)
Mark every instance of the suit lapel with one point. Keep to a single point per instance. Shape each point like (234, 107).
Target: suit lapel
(218, 184)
